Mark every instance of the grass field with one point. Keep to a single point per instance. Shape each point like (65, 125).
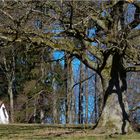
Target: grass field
(45, 132)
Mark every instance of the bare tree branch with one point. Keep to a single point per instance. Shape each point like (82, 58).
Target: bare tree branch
(133, 69)
(135, 108)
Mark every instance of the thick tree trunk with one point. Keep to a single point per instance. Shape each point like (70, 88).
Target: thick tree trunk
(11, 97)
(114, 117)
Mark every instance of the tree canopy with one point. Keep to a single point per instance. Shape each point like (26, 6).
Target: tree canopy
(104, 35)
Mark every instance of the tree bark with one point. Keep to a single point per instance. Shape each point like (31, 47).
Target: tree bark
(86, 96)
(81, 90)
(70, 100)
(95, 101)
(70, 93)
(55, 116)
(66, 87)
(42, 115)
(114, 117)
(11, 97)
(35, 111)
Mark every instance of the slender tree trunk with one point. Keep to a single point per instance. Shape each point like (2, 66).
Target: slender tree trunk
(42, 115)
(43, 74)
(26, 111)
(71, 93)
(35, 111)
(99, 94)
(66, 87)
(11, 97)
(81, 88)
(86, 92)
(95, 101)
(80, 113)
(54, 101)
(70, 100)
(10, 78)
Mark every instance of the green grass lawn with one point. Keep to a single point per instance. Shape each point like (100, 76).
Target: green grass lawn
(45, 132)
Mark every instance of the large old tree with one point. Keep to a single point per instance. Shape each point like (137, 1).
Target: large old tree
(73, 27)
